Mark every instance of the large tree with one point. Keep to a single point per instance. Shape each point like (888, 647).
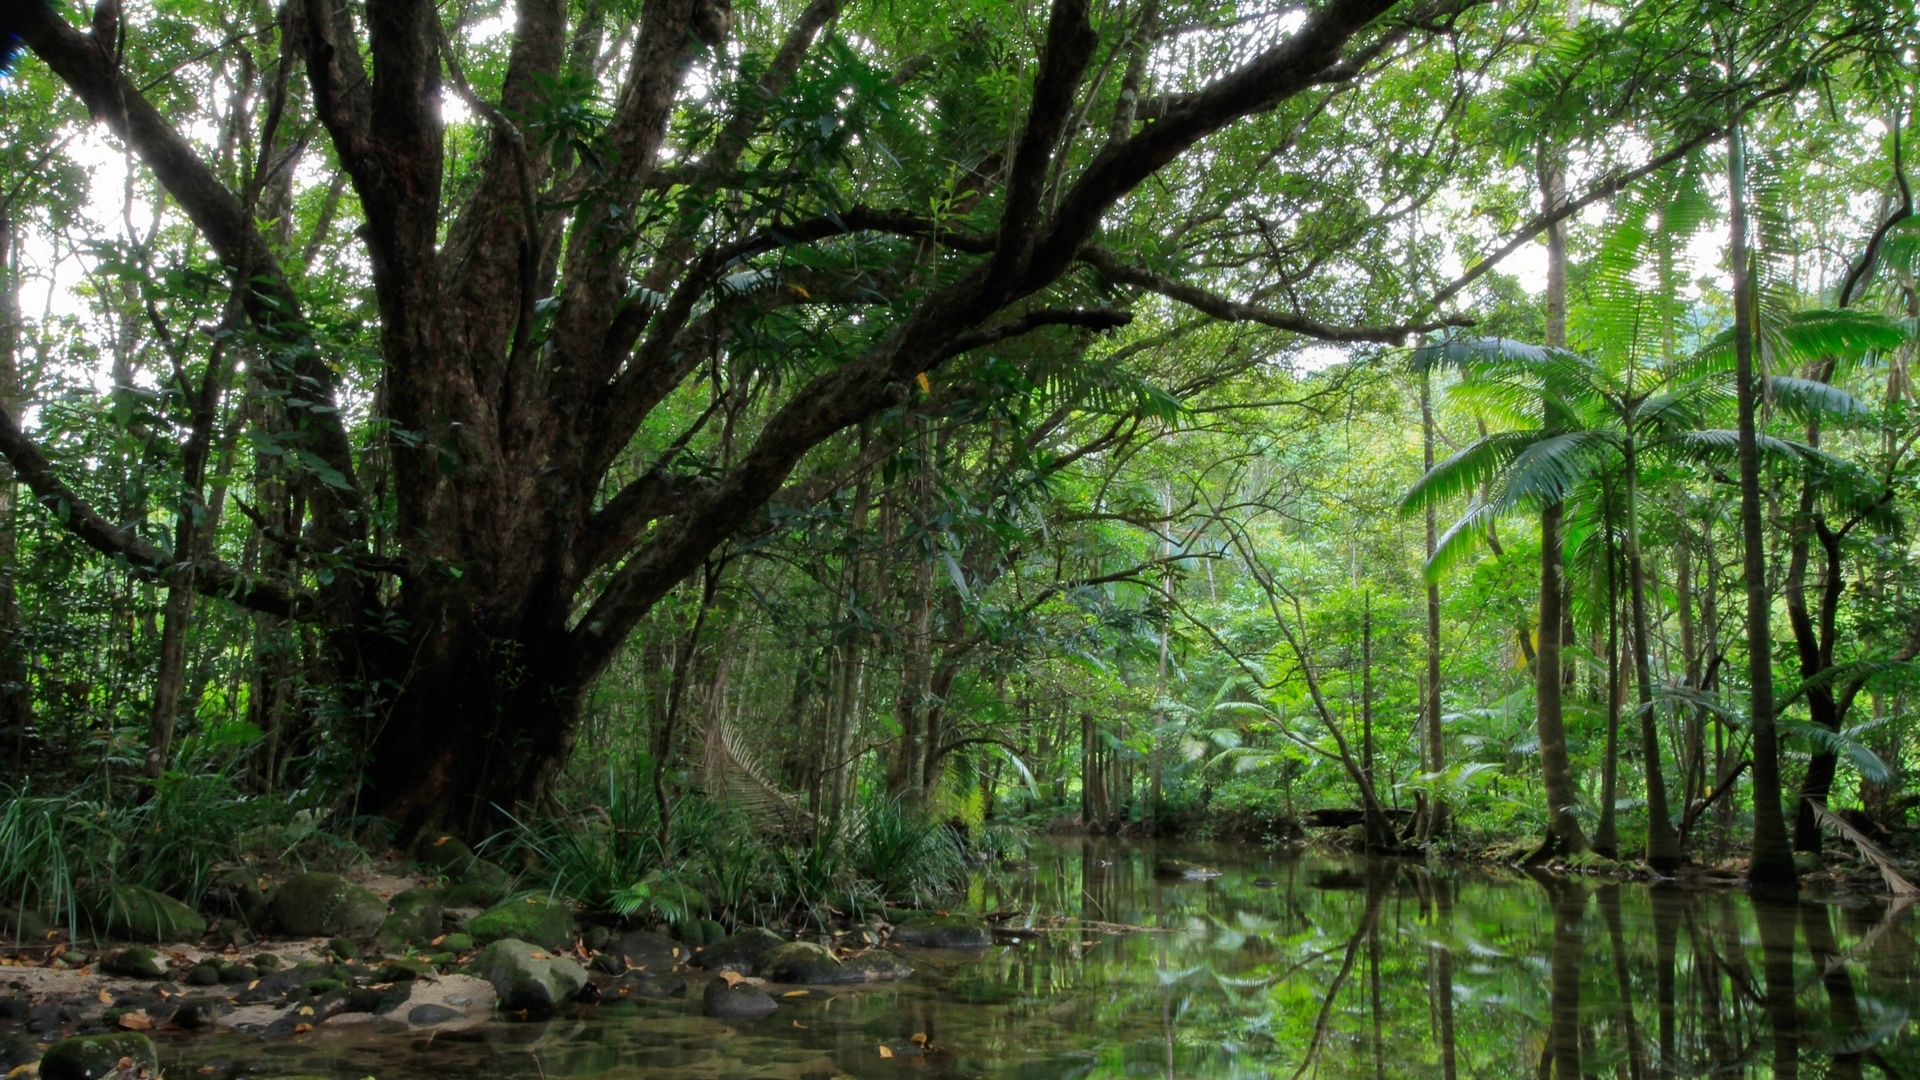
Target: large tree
(519, 498)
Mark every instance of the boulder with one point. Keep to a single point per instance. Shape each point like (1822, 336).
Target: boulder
(136, 963)
(645, 987)
(875, 966)
(472, 880)
(943, 932)
(527, 977)
(539, 918)
(699, 933)
(644, 950)
(95, 1057)
(798, 962)
(132, 913)
(723, 1000)
(413, 918)
(26, 926)
(326, 905)
(430, 1014)
(739, 952)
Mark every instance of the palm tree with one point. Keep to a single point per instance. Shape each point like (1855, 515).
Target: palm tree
(1579, 424)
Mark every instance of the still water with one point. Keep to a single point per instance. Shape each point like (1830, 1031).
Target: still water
(1285, 966)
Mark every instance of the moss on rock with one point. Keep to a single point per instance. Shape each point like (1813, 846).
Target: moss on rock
(133, 913)
(528, 977)
(326, 905)
(538, 918)
(943, 932)
(95, 1057)
(413, 918)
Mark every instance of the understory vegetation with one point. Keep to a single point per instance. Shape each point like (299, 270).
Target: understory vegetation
(748, 464)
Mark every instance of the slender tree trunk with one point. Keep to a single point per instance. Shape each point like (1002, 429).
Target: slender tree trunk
(1436, 824)
(1563, 978)
(1606, 837)
(16, 698)
(1771, 862)
(1663, 849)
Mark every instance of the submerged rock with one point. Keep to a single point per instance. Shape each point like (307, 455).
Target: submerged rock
(1178, 868)
(723, 1000)
(527, 977)
(95, 1057)
(739, 952)
(943, 932)
(805, 963)
(541, 919)
(132, 913)
(326, 905)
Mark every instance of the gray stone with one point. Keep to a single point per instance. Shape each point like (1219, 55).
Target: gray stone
(95, 1057)
(527, 977)
(429, 1015)
(326, 905)
(644, 950)
(943, 932)
(739, 952)
(798, 962)
(413, 919)
(738, 1001)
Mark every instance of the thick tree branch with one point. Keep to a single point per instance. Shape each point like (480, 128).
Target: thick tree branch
(1069, 48)
(1086, 318)
(78, 517)
(1227, 310)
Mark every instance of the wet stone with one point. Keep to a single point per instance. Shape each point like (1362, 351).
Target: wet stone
(737, 1002)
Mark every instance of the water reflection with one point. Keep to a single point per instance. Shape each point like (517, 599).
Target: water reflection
(1283, 967)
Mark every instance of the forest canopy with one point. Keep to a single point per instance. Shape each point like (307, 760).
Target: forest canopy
(1486, 420)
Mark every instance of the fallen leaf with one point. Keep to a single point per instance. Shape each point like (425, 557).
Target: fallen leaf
(919, 1038)
(302, 1029)
(540, 956)
(794, 993)
(885, 1051)
(58, 949)
(438, 940)
(732, 978)
(926, 387)
(105, 998)
(206, 1069)
(136, 1021)
(441, 841)
(800, 1025)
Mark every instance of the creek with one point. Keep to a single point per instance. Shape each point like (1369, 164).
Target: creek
(1286, 965)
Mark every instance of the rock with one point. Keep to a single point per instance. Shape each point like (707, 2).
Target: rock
(644, 950)
(645, 987)
(343, 949)
(876, 966)
(798, 962)
(266, 961)
(26, 925)
(132, 913)
(528, 977)
(326, 905)
(474, 881)
(541, 919)
(429, 1015)
(699, 933)
(413, 919)
(457, 943)
(204, 973)
(405, 971)
(736, 1001)
(943, 932)
(597, 939)
(16, 1052)
(136, 962)
(1176, 868)
(95, 1057)
(739, 952)
(238, 973)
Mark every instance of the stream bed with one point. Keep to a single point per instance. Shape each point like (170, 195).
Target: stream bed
(1286, 965)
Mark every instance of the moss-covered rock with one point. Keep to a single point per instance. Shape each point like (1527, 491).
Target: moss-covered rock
(538, 918)
(413, 918)
(699, 933)
(95, 1057)
(797, 962)
(25, 925)
(528, 977)
(739, 952)
(472, 880)
(132, 913)
(457, 942)
(135, 963)
(644, 950)
(943, 932)
(326, 905)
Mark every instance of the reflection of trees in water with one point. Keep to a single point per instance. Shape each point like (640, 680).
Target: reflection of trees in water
(1399, 968)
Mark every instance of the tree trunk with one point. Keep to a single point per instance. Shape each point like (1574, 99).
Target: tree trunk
(16, 697)
(1663, 849)
(1606, 837)
(1436, 823)
(1771, 862)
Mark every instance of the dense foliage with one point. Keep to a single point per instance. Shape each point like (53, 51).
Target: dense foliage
(624, 429)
